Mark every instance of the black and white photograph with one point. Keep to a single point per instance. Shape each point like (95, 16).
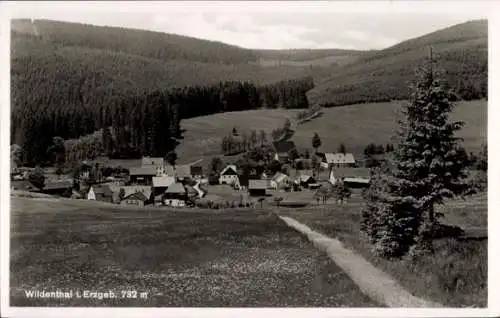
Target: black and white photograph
(317, 154)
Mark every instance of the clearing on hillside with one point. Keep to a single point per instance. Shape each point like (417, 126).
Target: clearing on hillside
(355, 125)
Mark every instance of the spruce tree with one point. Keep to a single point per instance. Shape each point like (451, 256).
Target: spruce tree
(428, 167)
(316, 142)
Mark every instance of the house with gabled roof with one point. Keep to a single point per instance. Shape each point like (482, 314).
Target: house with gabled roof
(23, 185)
(100, 192)
(340, 159)
(58, 187)
(176, 195)
(142, 175)
(279, 181)
(229, 175)
(136, 198)
(353, 177)
(160, 184)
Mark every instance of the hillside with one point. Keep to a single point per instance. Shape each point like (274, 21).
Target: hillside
(354, 125)
(157, 45)
(331, 58)
(461, 50)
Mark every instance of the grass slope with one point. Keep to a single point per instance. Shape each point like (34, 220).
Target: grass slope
(189, 258)
(354, 125)
(358, 125)
(455, 275)
(461, 50)
(203, 135)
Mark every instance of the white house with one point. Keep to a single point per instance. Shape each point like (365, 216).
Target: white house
(228, 175)
(278, 180)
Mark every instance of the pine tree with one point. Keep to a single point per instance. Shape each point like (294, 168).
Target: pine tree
(341, 149)
(316, 142)
(428, 167)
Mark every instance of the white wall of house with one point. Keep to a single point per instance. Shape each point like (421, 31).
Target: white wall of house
(175, 203)
(228, 179)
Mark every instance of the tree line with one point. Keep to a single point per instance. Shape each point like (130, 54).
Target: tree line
(141, 123)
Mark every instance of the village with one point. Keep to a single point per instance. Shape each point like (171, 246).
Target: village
(155, 182)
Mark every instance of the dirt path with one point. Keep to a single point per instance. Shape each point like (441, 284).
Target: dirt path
(373, 282)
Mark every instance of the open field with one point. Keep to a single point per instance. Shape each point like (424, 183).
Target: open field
(179, 258)
(355, 126)
(455, 275)
(203, 135)
(358, 125)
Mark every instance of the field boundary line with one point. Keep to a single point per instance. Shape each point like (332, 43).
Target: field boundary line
(373, 282)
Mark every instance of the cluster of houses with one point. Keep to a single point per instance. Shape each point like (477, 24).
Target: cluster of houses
(153, 182)
(342, 167)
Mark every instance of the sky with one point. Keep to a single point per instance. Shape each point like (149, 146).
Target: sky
(271, 25)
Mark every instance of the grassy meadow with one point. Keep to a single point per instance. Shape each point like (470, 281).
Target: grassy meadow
(455, 275)
(354, 125)
(185, 258)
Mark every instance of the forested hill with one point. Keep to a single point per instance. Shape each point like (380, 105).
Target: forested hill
(461, 51)
(149, 44)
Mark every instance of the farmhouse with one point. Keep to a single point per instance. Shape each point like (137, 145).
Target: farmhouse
(100, 193)
(257, 187)
(302, 177)
(176, 195)
(228, 175)
(58, 187)
(279, 181)
(160, 184)
(281, 149)
(136, 198)
(142, 175)
(23, 185)
(340, 159)
(352, 177)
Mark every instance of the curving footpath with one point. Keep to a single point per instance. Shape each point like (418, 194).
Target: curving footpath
(373, 282)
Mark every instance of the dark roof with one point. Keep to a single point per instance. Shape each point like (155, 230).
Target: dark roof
(22, 185)
(137, 196)
(283, 146)
(57, 184)
(176, 188)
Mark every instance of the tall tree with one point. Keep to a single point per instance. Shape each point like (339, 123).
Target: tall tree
(171, 157)
(316, 142)
(428, 167)
(263, 137)
(341, 148)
